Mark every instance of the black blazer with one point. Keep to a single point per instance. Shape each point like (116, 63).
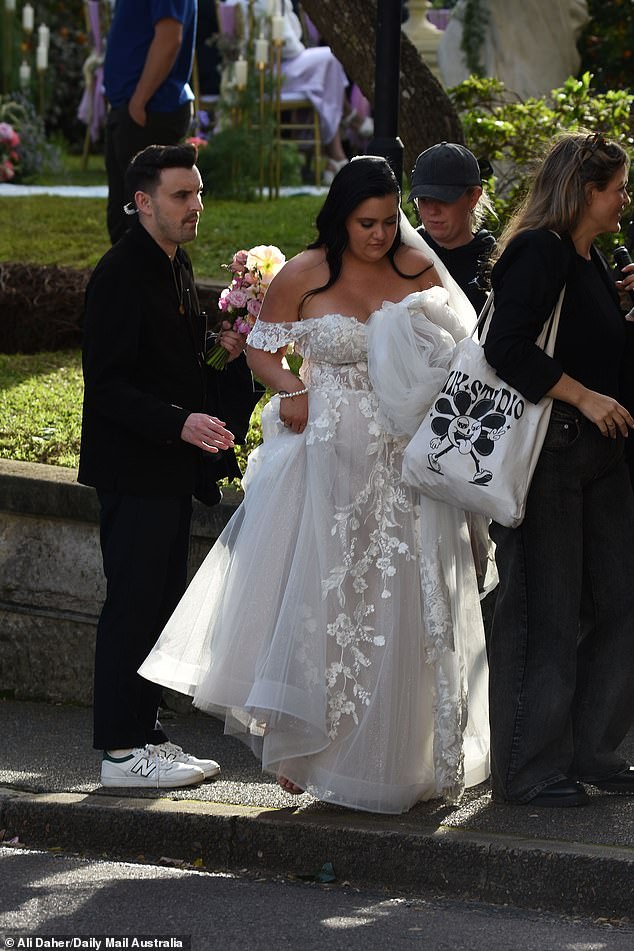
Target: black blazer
(527, 281)
(144, 373)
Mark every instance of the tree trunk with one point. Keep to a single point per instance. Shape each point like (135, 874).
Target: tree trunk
(426, 115)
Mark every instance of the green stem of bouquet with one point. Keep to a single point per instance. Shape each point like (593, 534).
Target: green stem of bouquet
(217, 357)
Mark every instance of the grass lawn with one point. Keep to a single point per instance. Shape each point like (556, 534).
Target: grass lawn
(47, 229)
(40, 409)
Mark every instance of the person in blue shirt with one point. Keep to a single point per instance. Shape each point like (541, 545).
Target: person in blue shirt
(148, 63)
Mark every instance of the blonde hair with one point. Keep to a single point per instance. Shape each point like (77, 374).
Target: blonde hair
(556, 199)
(484, 209)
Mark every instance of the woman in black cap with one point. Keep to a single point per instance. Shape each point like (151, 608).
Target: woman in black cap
(446, 188)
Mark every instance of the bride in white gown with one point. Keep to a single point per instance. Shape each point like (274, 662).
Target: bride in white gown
(336, 619)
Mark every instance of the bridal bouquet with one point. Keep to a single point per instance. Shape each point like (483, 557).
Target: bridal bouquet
(251, 273)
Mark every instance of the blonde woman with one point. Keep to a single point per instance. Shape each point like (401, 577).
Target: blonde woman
(562, 646)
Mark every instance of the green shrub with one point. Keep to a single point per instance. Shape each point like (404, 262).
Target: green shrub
(514, 135)
(230, 163)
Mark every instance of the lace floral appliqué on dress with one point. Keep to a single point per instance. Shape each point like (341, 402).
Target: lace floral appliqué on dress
(337, 618)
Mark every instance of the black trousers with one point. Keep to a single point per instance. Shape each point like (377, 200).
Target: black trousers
(124, 138)
(145, 546)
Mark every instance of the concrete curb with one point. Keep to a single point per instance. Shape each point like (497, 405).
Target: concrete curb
(543, 874)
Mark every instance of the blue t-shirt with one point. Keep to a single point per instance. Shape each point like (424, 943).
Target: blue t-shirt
(129, 39)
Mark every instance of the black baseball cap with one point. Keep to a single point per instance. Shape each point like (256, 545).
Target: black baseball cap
(444, 172)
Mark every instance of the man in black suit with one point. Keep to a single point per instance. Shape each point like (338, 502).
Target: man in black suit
(145, 433)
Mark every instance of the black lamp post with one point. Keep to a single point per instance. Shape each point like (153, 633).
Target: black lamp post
(387, 86)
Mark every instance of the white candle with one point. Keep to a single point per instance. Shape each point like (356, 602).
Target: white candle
(9, 5)
(261, 51)
(28, 18)
(41, 58)
(25, 74)
(277, 30)
(241, 73)
(44, 35)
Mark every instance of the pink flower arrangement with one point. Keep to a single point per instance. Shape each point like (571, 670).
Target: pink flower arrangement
(197, 140)
(251, 273)
(9, 156)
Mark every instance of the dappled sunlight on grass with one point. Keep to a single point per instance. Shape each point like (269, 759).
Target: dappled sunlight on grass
(40, 410)
(50, 229)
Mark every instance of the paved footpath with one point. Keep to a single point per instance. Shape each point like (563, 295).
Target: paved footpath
(565, 860)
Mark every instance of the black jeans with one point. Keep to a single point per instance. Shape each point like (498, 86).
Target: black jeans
(124, 138)
(145, 545)
(562, 647)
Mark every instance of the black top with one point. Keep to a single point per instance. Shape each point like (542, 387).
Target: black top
(468, 264)
(527, 281)
(144, 372)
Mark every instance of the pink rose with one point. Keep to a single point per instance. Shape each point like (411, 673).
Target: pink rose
(254, 306)
(237, 298)
(242, 326)
(223, 303)
(239, 261)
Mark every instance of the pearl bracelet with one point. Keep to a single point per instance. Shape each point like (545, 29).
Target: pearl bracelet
(283, 394)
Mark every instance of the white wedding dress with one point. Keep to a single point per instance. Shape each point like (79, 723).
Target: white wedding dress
(336, 620)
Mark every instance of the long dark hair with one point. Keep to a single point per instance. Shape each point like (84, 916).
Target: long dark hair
(366, 176)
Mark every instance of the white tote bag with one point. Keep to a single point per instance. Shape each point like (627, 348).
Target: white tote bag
(478, 445)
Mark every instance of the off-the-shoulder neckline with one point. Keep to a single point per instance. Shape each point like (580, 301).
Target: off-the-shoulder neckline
(386, 303)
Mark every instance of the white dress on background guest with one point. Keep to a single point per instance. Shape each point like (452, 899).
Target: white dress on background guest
(309, 72)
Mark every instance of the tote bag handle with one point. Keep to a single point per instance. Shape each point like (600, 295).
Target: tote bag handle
(548, 335)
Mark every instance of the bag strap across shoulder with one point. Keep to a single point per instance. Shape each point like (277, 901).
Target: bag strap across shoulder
(546, 339)
(548, 336)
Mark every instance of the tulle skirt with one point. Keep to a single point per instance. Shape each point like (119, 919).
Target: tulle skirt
(336, 620)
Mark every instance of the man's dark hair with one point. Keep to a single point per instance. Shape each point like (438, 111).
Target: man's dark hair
(144, 171)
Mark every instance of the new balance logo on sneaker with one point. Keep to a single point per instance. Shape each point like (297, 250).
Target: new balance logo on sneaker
(145, 768)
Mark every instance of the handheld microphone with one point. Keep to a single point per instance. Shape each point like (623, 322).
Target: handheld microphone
(622, 259)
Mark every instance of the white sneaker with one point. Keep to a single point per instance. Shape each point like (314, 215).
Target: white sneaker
(176, 754)
(146, 768)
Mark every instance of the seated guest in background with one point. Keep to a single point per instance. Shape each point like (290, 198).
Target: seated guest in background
(314, 73)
